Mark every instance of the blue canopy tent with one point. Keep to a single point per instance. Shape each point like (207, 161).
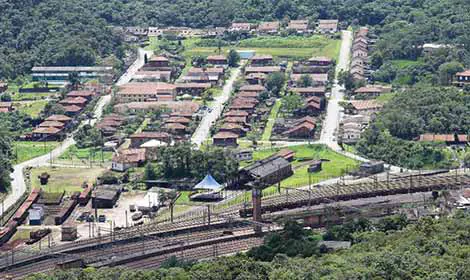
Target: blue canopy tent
(208, 183)
(211, 190)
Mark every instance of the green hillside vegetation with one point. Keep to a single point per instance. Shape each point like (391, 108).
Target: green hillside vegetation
(411, 113)
(388, 249)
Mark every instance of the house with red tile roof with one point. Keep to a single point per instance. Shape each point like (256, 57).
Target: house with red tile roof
(144, 92)
(225, 139)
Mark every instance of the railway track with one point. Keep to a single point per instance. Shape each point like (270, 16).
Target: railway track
(105, 253)
(203, 252)
(194, 239)
(324, 194)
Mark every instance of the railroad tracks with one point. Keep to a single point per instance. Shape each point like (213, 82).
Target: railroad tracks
(149, 245)
(325, 194)
(135, 250)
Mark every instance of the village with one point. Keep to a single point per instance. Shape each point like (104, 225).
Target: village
(194, 126)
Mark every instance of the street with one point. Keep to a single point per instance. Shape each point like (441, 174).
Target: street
(333, 113)
(203, 130)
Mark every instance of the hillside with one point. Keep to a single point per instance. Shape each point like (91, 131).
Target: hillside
(76, 32)
(430, 249)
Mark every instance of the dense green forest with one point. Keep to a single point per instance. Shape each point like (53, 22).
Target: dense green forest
(77, 32)
(388, 249)
(418, 110)
(53, 32)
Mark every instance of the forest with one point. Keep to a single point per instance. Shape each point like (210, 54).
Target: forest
(392, 135)
(391, 248)
(67, 32)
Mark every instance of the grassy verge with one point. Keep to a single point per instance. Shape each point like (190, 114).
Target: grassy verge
(65, 179)
(74, 153)
(272, 119)
(26, 150)
(32, 108)
(336, 166)
(386, 97)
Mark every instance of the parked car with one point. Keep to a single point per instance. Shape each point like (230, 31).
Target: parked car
(101, 218)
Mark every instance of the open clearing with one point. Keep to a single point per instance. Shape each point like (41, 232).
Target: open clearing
(65, 179)
(337, 165)
(26, 150)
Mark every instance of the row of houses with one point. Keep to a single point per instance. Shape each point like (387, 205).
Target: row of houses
(52, 128)
(358, 114)
(302, 123)
(360, 69)
(301, 26)
(240, 113)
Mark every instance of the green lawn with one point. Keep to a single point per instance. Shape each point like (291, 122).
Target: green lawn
(31, 96)
(65, 179)
(74, 153)
(272, 119)
(33, 108)
(403, 63)
(293, 47)
(386, 97)
(26, 150)
(338, 164)
(183, 198)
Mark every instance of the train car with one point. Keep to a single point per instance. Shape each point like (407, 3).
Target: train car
(7, 232)
(85, 195)
(65, 212)
(22, 213)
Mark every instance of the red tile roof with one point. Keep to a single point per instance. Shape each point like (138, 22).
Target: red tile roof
(72, 109)
(255, 88)
(58, 118)
(47, 130)
(444, 138)
(130, 156)
(145, 88)
(181, 120)
(80, 93)
(309, 90)
(74, 101)
(51, 124)
(225, 135)
(236, 113)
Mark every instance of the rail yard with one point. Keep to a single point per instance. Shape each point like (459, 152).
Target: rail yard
(206, 236)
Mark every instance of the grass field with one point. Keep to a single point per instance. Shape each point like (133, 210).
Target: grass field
(74, 153)
(65, 179)
(293, 47)
(336, 166)
(403, 63)
(32, 108)
(386, 97)
(26, 150)
(272, 119)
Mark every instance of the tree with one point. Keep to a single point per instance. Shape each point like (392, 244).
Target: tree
(466, 159)
(275, 82)
(149, 173)
(448, 70)
(292, 102)
(233, 58)
(346, 79)
(6, 156)
(305, 81)
(6, 97)
(74, 80)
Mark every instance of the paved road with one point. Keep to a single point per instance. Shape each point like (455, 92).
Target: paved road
(18, 186)
(331, 123)
(202, 132)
